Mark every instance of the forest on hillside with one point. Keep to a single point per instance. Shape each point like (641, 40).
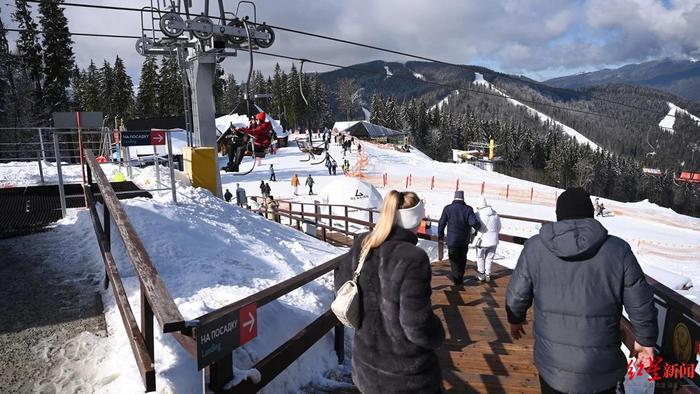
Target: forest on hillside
(40, 77)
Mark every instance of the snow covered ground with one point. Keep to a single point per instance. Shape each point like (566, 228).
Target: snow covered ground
(670, 118)
(210, 253)
(542, 117)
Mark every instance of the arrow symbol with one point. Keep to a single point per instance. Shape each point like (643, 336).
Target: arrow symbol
(250, 323)
(158, 137)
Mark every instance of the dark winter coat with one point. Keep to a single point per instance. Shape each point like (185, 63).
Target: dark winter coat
(460, 219)
(579, 278)
(394, 349)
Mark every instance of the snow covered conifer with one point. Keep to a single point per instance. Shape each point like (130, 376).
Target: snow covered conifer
(147, 98)
(28, 46)
(58, 54)
(122, 94)
(170, 99)
(106, 86)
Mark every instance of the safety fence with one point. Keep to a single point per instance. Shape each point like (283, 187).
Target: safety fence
(509, 192)
(53, 149)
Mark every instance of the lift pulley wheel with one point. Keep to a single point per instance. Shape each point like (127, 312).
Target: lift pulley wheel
(172, 25)
(203, 35)
(237, 23)
(262, 43)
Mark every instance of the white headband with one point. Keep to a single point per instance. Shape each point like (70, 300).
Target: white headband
(410, 218)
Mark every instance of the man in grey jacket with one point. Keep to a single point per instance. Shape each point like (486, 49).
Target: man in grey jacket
(579, 278)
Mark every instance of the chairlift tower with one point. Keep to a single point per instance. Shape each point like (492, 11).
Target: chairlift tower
(200, 41)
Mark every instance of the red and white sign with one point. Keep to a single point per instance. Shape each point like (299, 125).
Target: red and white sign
(157, 137)
(249, 322)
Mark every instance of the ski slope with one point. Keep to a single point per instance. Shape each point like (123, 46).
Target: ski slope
(445, 100)
(670, 119)
(647, 227)
(580, 138)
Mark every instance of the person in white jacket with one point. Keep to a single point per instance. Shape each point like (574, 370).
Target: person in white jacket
(486, 239)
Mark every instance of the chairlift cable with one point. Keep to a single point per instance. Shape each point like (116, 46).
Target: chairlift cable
(355, 43)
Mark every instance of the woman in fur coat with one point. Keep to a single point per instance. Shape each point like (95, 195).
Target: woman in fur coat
(394, 348)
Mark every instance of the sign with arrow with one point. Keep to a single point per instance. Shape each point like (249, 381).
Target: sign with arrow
(217, 337)
(136, 138)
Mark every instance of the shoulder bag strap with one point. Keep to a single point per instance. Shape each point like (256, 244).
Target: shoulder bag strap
(360, 263)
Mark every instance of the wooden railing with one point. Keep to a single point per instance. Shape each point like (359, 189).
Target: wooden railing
(155, 298)
(277, 361)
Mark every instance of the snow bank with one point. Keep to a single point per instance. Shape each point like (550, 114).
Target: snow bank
(209, 254)
(388, 72)
(670, 119)
(479, 80)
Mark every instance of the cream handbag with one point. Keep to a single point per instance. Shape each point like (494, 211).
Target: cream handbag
(348, 301)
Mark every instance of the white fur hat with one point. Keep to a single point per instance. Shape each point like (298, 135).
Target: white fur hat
(410, 218)
(481, 203)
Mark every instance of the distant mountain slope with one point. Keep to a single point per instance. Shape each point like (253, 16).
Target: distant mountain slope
(593, 112)
(680, 77)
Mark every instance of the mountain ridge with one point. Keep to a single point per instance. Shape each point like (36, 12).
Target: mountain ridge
(680, 77)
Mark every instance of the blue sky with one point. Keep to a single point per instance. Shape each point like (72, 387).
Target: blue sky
(538, 38)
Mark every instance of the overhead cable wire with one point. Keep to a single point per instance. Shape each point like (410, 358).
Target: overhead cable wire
(377, 48)
(355, 68)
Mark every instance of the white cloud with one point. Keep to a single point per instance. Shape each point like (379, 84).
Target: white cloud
(540, 37)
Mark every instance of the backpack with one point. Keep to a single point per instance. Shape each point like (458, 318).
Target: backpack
(348, 302)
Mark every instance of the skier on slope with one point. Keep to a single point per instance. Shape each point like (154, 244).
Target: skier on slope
(228, 196)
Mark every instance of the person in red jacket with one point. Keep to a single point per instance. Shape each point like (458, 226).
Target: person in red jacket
(261, 134)
(259, 129)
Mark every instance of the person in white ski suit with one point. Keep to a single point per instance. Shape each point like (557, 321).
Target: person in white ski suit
(486, 239)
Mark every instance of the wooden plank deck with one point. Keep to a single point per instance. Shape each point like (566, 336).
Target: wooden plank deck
(479, 355)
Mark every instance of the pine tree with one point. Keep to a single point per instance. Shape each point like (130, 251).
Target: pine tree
(391, 114)
(347, 96)
(218, 89)
(123, 91)
(76, 83)
(323, 109)
(147, 98)
(377, 111)
(170, 97)
(58, 54)
(6, 78)
(28, 46)
(232, 94)
(277, 88)
(106, 90)
(90, 88)
(294, 100)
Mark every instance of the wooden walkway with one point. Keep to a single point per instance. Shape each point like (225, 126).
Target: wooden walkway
(479, 355)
